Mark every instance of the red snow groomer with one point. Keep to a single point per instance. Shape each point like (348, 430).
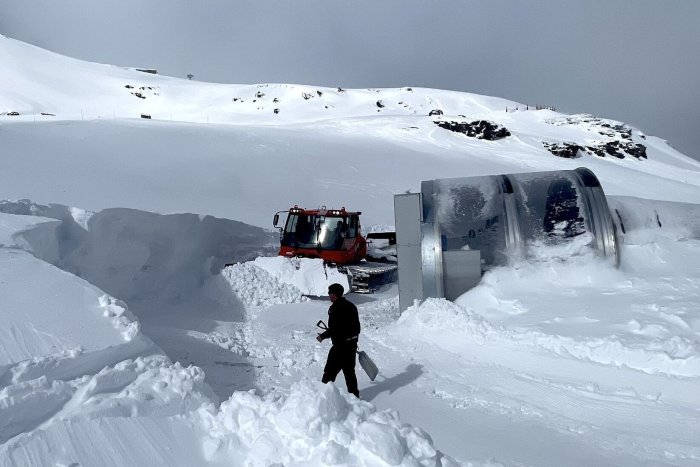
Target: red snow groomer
(335, 236)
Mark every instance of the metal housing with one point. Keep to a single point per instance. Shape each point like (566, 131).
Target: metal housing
(456, 229)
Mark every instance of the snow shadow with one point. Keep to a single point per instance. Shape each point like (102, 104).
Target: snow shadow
(164, 267)
(409, 375)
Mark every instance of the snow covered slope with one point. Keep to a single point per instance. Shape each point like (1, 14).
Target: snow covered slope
(127, 343)
(332, 146)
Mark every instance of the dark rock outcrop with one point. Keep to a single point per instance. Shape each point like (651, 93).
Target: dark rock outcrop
(619, 149)
(565, 150)
(480, 129)
(619, 143)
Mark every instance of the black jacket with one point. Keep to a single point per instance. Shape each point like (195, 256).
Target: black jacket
(343, 322)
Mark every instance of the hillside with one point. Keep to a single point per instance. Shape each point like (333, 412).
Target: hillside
(316, 127)
(128, 343)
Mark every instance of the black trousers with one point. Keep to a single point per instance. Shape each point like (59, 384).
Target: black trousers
(342, 357)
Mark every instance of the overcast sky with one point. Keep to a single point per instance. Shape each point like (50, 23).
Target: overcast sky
(632, 60)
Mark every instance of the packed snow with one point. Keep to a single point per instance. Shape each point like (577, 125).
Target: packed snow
(148, 321)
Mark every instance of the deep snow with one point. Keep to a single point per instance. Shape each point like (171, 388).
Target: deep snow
(126, 341)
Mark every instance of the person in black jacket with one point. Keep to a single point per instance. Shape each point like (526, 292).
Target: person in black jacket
(344, 330)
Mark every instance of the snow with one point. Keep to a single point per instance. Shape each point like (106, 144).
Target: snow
(310, 275)
(126, 340)
(315, 424)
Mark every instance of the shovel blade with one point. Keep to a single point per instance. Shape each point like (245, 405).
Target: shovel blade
(368, 365)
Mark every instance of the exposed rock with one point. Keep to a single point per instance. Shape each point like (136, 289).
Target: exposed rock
(480, 129)
(619, 149)
(146, 116)
(565, 150)
(13, 113)
(435, 112)
(276, 111)
(379, 104)
(619, 144)
(259, 94)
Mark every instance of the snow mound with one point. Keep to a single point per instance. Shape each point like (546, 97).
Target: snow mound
(315, 424)
(309, 275)
(255, 286)
(440, 317)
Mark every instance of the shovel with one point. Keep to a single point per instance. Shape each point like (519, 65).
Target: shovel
(365, 362)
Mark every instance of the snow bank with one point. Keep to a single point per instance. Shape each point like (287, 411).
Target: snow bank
(315, 424)
(308, 275)
(255, 286)
(55, 312)
(136, 255)
(272, 280)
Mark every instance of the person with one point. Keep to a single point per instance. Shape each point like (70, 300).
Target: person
(343, 330)
(338, 234)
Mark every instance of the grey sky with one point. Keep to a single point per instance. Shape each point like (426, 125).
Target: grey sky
(633, 60)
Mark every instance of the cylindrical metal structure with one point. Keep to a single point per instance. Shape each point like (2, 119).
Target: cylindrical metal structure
(470, 224)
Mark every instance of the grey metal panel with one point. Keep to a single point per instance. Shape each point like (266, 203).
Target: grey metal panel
(605, 230)
(431, 252)
(462, 271)
(511, 218)
(602, 225)
(428, 191)
(407, 216)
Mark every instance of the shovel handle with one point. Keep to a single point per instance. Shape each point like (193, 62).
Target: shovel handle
(322, 325)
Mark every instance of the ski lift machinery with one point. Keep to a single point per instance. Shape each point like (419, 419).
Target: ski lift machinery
(455, 229)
